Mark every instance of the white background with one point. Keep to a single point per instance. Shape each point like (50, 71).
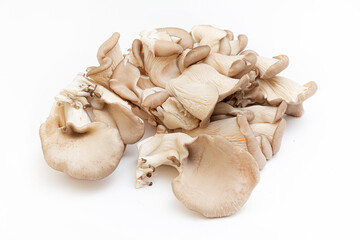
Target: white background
(309, 190)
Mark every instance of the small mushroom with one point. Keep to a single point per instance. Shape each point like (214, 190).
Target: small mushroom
(160, 43)
(227, 65)
(265, 146)
(110, 49)
(273, 131)
(153, 97)
(216, 179)
(124, 82)
(270, 67)
(237, 131)
(224, 46)
(109, 56)
(250, 58)
(223, 108)
(278, 89)
(174, 116)
(238, 45)
(136, 52)
(185, 38)
(208, 35)
(192, 56)
(267, 114)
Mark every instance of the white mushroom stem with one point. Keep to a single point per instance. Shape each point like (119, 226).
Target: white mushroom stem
(161, 149)
(76, 118)
(76, 92)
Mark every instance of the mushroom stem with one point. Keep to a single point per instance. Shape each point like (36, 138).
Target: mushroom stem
(161, 149)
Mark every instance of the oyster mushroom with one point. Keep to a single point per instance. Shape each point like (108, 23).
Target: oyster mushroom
(160, 69)
(119, 112)
(278, 89)
(81, 148)
(224, 46)
(226, 109)
(237, 131)
(174, 116)
(200, 87)
(216, 178)
(192, 56)
(270, 67)
(265, 146)
(185, 38)
(208, 35)
(267, 114)
(201, 163)
(109, 56)
(160, 149)
(226, 65)
(124, 82)
(273, 131)
(238, 45)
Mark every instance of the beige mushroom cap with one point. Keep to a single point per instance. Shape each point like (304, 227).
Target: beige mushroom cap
(270, 67)
(217, 179)
(185, 38)
(278, 89)
(237, 131)
(130, 126)
(101, 74)
(238, 45)
(109, 56)
(273, 131)
(91, 155)
(111, 49)
(124, 82)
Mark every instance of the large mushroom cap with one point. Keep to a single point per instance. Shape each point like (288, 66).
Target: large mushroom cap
(217, 179)
(91, 155)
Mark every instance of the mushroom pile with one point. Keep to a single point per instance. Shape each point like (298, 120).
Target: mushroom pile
(218, 109)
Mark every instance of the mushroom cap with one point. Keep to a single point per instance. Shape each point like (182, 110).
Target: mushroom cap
(273, 131)
(109, 45)
(277, 137)
(124, 82)
(186, 40)
(216, 178)
(101, 74)
(163, 48)
(270, 68)
(173, 115)
(278, 89)
(196, 54)
(224, 46)
(136, 49)
(91, 155)
(130, 126)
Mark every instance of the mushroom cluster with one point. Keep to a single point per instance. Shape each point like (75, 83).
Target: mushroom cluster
(218, 109)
